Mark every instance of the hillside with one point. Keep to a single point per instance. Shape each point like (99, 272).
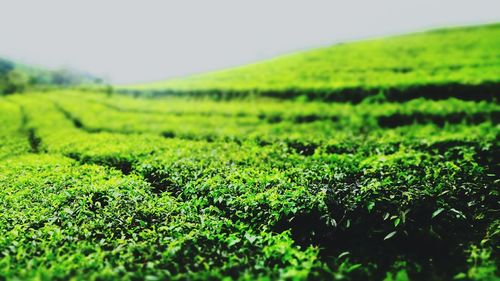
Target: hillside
(96, 185)
(461, 62)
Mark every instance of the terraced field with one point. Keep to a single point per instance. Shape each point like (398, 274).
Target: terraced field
(102, 187)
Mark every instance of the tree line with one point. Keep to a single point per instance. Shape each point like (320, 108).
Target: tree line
(15, 79)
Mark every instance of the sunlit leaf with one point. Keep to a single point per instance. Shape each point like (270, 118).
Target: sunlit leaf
(390, 235)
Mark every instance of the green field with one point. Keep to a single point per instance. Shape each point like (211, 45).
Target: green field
(438, 64)
(375, 160)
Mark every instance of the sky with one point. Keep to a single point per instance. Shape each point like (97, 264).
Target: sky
(130, 42)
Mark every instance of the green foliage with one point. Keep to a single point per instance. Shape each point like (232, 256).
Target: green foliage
(458, 62)
(96, 186)
(12, 132)
(17, 78)
(247, 190)
(11, 79)
(5, 67)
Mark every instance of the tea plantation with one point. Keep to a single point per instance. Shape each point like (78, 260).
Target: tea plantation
(296, 181)
(456, 62)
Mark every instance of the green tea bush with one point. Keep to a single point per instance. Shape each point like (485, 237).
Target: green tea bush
(248, 174)
(106, 195)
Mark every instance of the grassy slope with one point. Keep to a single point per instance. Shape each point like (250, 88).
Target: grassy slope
(104, 187)
(458, 57)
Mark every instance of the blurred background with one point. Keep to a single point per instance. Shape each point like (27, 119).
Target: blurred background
(134, 41)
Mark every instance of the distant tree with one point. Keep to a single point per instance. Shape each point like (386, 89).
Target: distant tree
(109, 90)
(11, 80)
(65, 78)
(19, 79)
(5, 67)
(15, 82)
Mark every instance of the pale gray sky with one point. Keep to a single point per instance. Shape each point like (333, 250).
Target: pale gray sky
(136, 41)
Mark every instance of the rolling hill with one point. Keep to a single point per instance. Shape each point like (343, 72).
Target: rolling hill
(400, 186)
(462, 62)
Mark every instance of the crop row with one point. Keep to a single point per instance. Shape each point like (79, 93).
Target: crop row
(429, 197)
(274, 111)
(60, 220)
(315, 123)
(12, 122)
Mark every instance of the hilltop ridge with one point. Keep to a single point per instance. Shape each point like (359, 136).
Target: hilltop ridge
(461, 62)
